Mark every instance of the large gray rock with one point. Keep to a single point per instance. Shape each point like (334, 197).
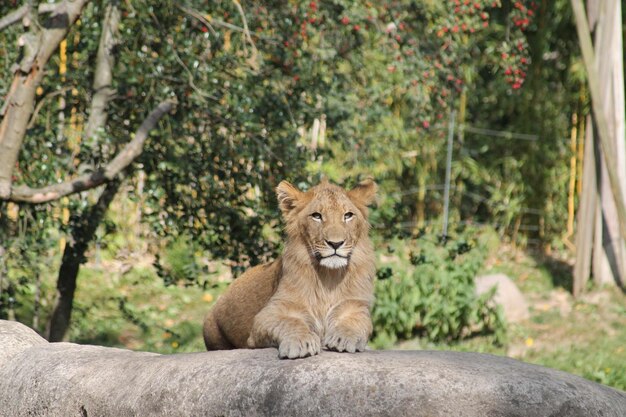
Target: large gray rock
(507, 295)
(15, 338)
(65, 379)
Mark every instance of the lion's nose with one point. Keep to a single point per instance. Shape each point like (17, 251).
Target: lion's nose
(335, 245)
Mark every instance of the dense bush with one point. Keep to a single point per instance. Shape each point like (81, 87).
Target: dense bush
(426, 287)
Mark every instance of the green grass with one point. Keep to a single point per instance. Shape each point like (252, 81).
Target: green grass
(586, 337)
(135, 310)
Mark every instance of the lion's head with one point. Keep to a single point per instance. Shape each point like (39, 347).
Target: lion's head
(330, 221)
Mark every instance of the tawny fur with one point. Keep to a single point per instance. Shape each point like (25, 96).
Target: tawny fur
(309, 298)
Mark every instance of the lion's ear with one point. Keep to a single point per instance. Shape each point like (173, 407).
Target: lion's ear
(288, 196)
(364, 193)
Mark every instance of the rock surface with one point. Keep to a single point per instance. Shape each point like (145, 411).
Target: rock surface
(15, 338)
(64, 379)
(507, 295)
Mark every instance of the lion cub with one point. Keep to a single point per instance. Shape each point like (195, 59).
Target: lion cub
(319, 293)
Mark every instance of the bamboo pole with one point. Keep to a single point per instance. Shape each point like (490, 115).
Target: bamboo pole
(598, 111)
(586, 217)
(572, 184)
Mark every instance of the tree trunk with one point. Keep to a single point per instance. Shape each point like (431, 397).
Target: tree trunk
(73, 256)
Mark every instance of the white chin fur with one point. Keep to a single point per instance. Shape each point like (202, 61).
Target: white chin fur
(334, 262)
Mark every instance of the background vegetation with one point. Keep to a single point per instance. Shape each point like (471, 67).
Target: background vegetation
(298, 90)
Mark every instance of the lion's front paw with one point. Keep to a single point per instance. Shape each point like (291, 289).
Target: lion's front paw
(335, 340)
(299, 347)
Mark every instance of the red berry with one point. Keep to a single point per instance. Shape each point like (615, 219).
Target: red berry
(345, 20)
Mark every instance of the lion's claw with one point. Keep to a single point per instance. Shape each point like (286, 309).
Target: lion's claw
(339, 343)
(299, 347)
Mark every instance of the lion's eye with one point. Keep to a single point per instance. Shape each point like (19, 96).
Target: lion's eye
(317, 216)
(348, 216)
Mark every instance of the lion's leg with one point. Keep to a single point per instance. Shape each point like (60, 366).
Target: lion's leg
(348, 327)
(213, 336)
(284, 325)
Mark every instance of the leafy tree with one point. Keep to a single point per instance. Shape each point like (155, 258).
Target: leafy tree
(209, 167)
(407, 65)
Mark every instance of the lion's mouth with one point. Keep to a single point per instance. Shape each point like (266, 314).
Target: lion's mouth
(319, 256)
(332, 261)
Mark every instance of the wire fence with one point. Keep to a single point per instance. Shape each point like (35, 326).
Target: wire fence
(446, 192)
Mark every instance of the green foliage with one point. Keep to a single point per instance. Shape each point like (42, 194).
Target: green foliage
(135, 310)
(180, 264)
(428, 290)
(21, 269)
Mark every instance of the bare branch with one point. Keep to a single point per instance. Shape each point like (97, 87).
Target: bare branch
(170, 42)
(190, 77)
(104, 71)
(21, 13)
(28, 75)
(47, 8)
(88, 181)
(198, 15)
(14, 17)
(135, 146)
(43, 101)
(252, 60)
(254, 56)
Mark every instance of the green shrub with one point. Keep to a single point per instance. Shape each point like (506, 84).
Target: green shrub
(426, 288)
(178, 264)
